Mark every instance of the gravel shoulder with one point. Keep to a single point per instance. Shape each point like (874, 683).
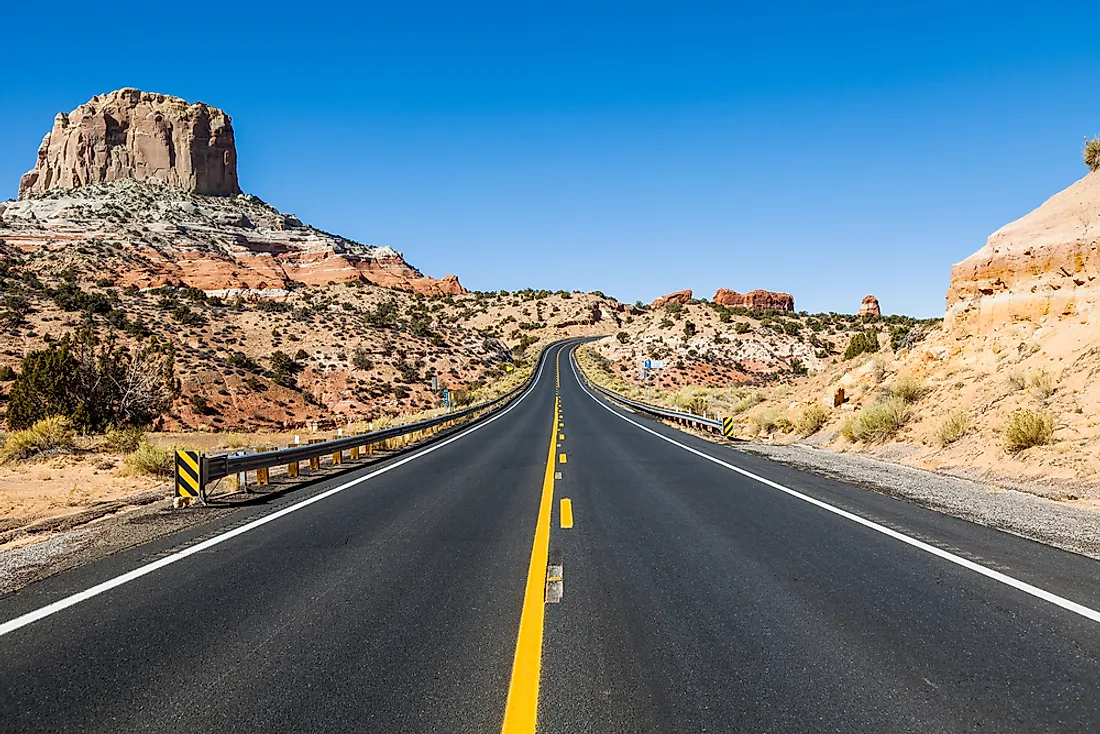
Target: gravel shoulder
(1064, 525)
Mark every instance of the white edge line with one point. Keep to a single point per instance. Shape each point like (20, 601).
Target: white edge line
(61, 604)
(1005, 579)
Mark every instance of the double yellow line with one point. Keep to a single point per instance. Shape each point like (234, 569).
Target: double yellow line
(521, 711)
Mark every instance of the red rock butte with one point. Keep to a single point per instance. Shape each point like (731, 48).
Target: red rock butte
(682, 297)
(172, 165)
(758, 300)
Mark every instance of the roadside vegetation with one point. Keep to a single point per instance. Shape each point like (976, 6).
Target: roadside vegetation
(1025, 428)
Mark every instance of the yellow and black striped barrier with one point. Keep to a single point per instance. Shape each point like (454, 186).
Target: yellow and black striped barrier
(188, 474)
(727, 427)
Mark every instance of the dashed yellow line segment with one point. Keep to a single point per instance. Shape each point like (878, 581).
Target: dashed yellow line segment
(521, 710)
(566, 513)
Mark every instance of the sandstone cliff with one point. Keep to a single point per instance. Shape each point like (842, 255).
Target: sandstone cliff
(682, 297)
(133, 134)
(157, 176)
(1043, 266)
(758, 300)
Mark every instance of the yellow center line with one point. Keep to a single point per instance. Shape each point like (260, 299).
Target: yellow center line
(566, 513)
(521, 711)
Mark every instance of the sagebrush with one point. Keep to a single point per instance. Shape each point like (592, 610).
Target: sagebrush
(811, 419)
(952, 429)
(157, 461)
(49, 435)
(877, 422)
(1025, 428)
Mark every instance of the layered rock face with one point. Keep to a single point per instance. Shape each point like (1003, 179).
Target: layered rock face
(157, 177)
(683, 297)
(758, 300)
(235, 245)
(1043, 266)
(132, 134)
(869, 307)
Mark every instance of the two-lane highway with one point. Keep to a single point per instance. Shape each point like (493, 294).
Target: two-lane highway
(701, 590)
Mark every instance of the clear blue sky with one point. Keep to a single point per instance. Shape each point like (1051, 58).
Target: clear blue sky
(829, 150)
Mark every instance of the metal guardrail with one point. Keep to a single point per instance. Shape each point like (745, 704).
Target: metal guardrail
(213, 468)
(723, 426)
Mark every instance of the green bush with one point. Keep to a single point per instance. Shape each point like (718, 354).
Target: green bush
(811, 419)
(94, 383)
(157, 461)
(1092, 154)
(7, 374)
(877, 422)
(863, 341)
(49, 434)
(1025, 428)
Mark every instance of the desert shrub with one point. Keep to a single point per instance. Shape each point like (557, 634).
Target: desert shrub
(360, 359)
(94, 383)
(953, 428)
(123, 439)
(862, 341)
(1025, 428)
(241, 360)
(784, 424)
(1041, 384)
(908, 388)
(742, 327)
(157, 461)
(623, 337)
(745, 402)
(52, 434)
(878, 421)
(798, 367)
(1016, 380)
(7, 374)
(273, 306)
(762, 421)
(811, 419)
(1092, 154)
(187, 317)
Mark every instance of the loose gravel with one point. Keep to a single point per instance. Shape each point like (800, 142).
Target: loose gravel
(1047, 521)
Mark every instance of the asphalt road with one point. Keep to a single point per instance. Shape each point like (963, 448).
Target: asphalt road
(695, 599)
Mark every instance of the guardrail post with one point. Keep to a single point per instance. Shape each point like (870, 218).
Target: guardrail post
(189, 477)
(314, 461)
(354, 451)
(262, 478)
(337, 458)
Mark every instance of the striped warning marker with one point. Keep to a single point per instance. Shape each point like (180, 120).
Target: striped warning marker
(187, 474)
(727, 426)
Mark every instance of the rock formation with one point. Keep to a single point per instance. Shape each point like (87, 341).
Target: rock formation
(757, 300)
(134, 134)
(1042, 266)
(869, 307)
(683, 297)
(158, 176)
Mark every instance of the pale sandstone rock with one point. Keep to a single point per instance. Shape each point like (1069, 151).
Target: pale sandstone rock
(1043, 266)
(133, 134)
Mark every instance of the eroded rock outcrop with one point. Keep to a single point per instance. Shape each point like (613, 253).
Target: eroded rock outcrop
(133, 134)
(1042, 266)
(869, 307)
(683, 297)
(757, 300)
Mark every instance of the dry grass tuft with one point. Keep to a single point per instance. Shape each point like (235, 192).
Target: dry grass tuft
(123, 439)
(1025, 428)
(953, 428)
(877, 422)
(157, 461)
(811, 419)
(908, 388)
(49, 435)
(763, 421)
(1041, 384)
